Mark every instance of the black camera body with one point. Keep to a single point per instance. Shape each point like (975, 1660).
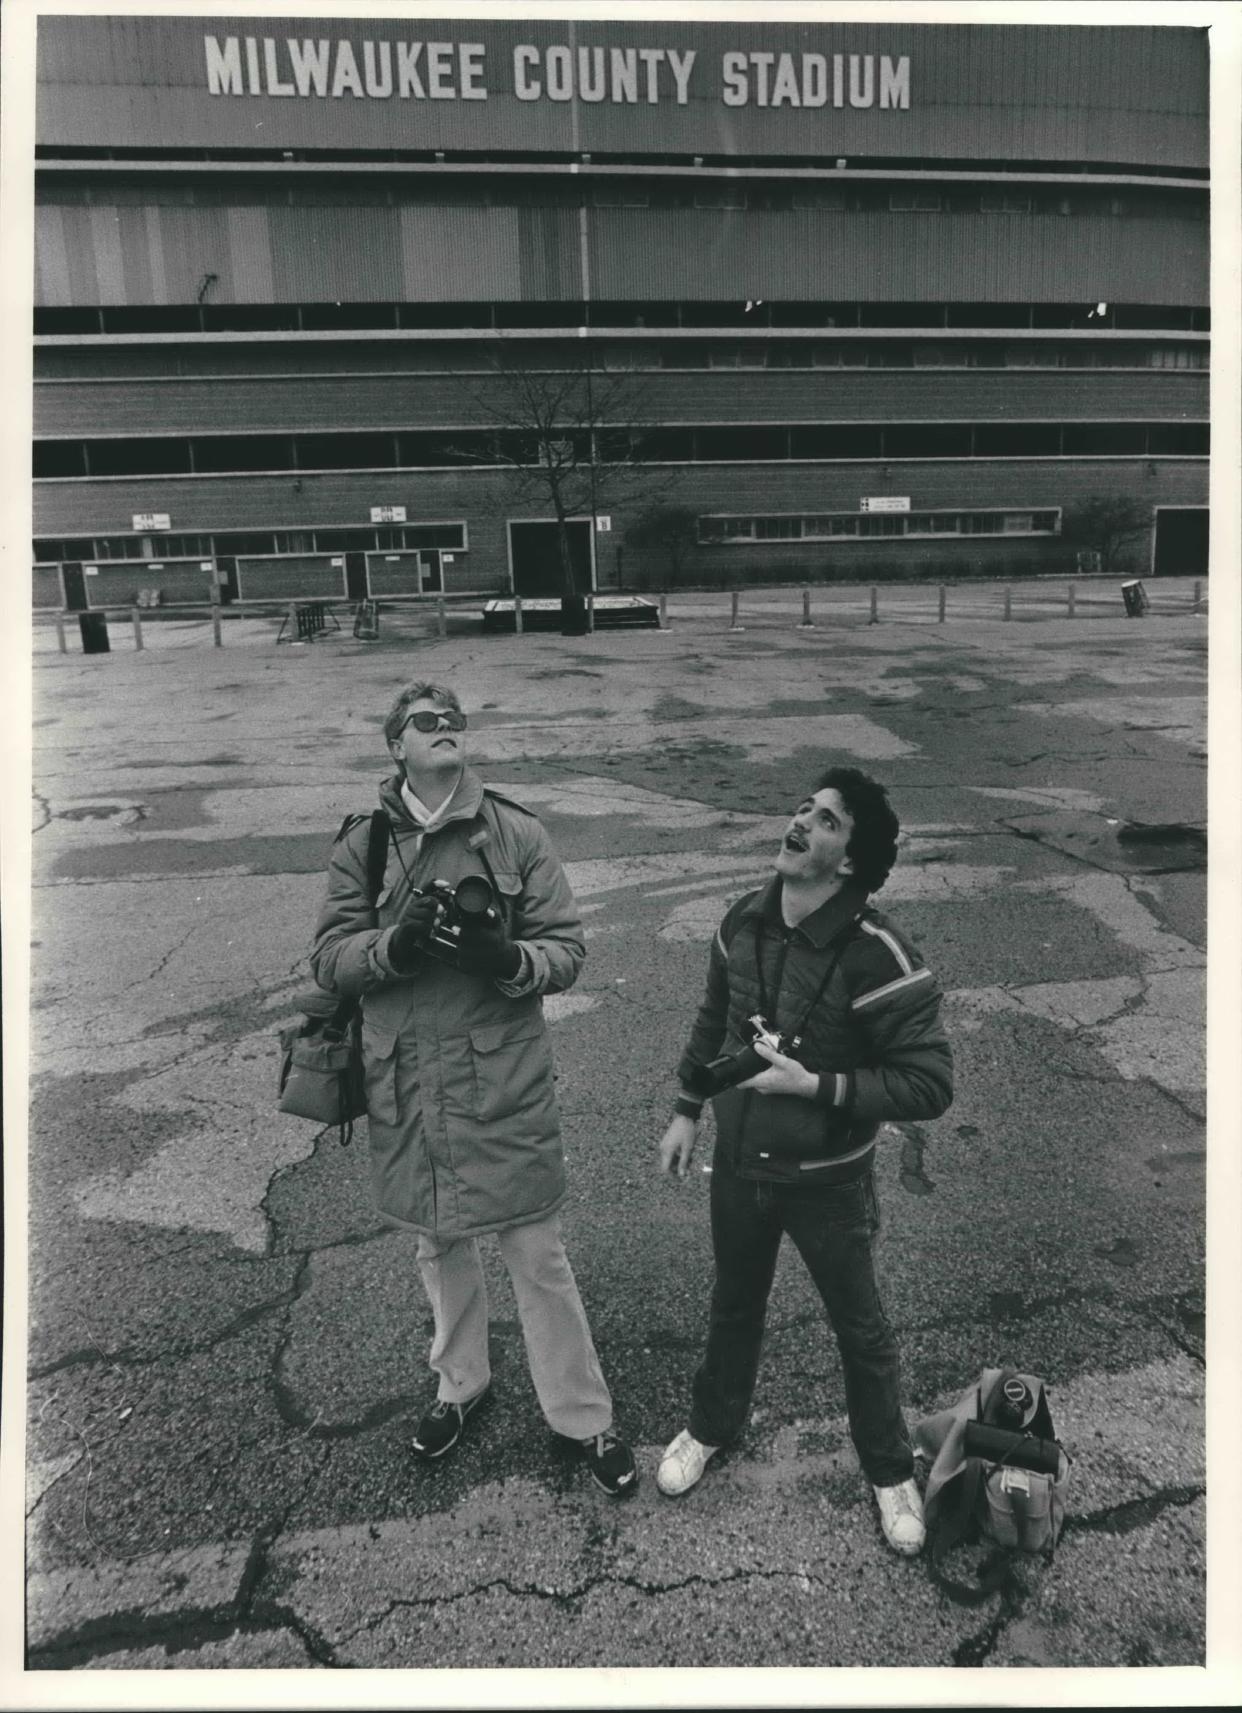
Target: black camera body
(470, 904)
(733, 1068)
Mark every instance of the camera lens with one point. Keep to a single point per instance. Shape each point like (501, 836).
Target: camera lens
(474, 895)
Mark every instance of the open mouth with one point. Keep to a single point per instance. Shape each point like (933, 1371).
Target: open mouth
(794, 842)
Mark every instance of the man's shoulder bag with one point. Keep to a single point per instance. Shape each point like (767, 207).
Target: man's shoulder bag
(321, 1070)
(999, 1476)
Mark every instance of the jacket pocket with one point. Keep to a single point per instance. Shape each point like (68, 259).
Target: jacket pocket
(512, 1064)
(379, 1055)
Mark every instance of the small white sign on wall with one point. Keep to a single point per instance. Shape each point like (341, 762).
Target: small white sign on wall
(387, 514)
(886, 503)
(152, 520)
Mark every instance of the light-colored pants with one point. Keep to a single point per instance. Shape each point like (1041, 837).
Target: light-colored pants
(563, 1364)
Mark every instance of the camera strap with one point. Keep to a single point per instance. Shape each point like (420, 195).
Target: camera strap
(838, 952)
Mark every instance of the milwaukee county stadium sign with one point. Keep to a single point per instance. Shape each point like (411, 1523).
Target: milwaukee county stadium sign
(328, 69)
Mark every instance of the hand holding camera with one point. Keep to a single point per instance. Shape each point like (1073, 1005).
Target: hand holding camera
(460, 925)
(764, 1064)
(409, 939)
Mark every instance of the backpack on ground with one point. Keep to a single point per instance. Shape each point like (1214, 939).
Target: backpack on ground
(998, 1475)
(321, 1068)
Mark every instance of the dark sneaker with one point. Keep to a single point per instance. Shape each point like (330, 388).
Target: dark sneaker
(611, 1463)
(442, 1426)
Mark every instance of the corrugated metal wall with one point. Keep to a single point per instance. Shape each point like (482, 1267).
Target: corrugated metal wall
(340, 404)
(119, 254)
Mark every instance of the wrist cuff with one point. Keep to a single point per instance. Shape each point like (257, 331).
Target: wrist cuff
(836, 1089)
(685, 1107)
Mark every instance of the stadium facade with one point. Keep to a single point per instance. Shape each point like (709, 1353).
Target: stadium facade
(885, 298)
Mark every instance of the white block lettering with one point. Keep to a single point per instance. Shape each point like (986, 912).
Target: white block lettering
(346, 76)
(224, 72)
(862, 80)
(733, 76)
(309, 61)
(470, 57)
(682, 65)
(274, 84)
(591, 85)
(252, 66)
(378, 80)
(408, 81)
(440, 71)
(624, 65)
(814, 80)
(895, 82)
(558, 69)
(785, 84)
(525, 87)
(651, 58)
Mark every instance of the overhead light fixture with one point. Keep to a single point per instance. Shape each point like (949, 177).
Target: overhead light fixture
(841, 163)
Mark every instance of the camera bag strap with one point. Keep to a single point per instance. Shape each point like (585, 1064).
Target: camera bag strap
(377, 862)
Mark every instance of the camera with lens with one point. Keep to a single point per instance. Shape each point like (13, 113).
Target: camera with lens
(468, 905)
(733, 1068)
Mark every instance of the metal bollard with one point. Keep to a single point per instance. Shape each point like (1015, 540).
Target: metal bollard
(517, 614)
(875, 605)
(663, 612)
(1008, 603)
(1069, 603)
(217, 635)
(590, 612)
(733, 624)
(136, 616)
(61, 640)
(441, 619)
(940, 615)
(807, 622)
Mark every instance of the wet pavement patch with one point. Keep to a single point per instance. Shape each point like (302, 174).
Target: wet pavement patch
(293, 853)
(1169, 849)
(1122, 1252)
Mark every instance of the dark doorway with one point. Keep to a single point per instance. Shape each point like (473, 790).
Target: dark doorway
(75, 586)
(1181, 541)
(536, 558)
(356, 577)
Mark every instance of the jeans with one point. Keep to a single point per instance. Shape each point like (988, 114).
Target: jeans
(831, 1226)
(563, 1365)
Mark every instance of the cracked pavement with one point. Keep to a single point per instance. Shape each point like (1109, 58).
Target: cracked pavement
(226, 1348)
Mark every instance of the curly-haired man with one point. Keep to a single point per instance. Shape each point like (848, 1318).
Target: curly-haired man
(858, 1013)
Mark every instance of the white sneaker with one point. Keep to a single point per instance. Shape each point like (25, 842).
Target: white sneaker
(901, 1517)
(683, 1464)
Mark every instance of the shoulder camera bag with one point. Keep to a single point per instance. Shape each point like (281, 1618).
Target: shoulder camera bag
(321, 1069)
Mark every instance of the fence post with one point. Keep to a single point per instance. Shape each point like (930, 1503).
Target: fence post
(733, 624)
(807, 623)
(60, 634)
(1069, 604)
(875, 606)
(517, 614)
(664, 611)
(136, 616)
(1198, 589)
(216, 634)
(1008, 603)
(441, 618)
(941, 612)
(590, 612)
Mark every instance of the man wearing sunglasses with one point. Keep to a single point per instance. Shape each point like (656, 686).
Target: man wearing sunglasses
(462, 1117)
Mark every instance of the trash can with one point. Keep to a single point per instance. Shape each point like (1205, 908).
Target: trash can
(1135, 597)
(94, 628)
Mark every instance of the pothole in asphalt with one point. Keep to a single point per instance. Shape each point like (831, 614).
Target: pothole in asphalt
(1167, 849)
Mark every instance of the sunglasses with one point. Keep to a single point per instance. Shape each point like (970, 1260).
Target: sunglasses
(426, 722)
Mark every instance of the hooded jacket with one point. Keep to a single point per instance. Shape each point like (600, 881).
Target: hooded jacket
(462, 1116)
(867, 1011)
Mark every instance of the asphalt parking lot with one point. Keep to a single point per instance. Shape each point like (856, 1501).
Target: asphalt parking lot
(226, 1349)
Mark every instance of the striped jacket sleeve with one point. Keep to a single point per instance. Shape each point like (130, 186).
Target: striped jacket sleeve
(907, 1069)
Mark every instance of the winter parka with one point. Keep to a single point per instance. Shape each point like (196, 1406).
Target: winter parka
(462, 1115)
(867, 1010)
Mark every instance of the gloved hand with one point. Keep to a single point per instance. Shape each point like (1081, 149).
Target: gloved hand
(410, 935)
(486, 949)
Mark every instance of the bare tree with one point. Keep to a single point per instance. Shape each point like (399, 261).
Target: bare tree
(674, 529)
(570, 438)
(1105, 524)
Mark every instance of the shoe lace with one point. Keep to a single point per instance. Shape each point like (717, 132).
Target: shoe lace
(902, 1501)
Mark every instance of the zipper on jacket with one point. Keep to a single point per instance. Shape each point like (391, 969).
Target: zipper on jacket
(776, 1004)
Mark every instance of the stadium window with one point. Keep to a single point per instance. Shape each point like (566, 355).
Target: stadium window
(247, 544)
(1044, 522)
(117, 547)
(721, 196)
(914, 201)
(997, 202)
(884, 523)
(55, 458)
(980, 523)
(346, 451)
(683, 354)
(751, 443)
(843, 526)
(1025, 354)
(825, 356)
(813, 197)
(941, 356)
(180, 546)
(711, 529)
(1178, 439)
(294, 541)
(1021, 440)
(926, 440)
(620, 196)
(724, 357)
(1177, 357)
(1017, 523)
(738, 528)
(220, 452)
(664, 446)
(778, 529)
(138, 457)
(450, 535)
(855, 354)
(1104, 439)
(834, 440)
